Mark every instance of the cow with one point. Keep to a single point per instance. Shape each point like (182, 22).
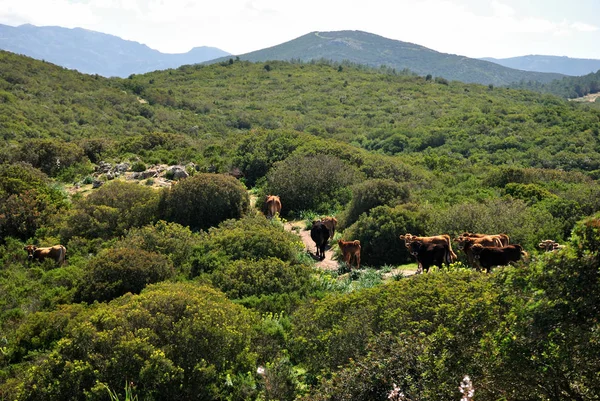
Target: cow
(466, 242)
(58, 253)
(330, 223)
(428, 254)
(494, 256)
(320, 234)
(550, 245)
(273, 204)
(350, 250)
(503, 238)
(444, 239)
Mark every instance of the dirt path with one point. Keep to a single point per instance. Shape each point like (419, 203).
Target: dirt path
(298, 227)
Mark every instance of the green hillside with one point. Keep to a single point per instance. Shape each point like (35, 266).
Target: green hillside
(374, 51)
(567, 87)
(176, 286)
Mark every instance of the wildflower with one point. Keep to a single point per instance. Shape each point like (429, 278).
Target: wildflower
(396, 394)
(466, 389)
(260, 370)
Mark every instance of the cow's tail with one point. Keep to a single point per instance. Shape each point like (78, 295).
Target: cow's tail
(63, 255)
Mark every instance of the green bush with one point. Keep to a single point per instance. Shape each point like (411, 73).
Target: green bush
(252, 237)
(378, 233)
(114, 272)
(28, 201)
(168, 239)
(111, 210)
(174, 341)
(50, 155)
(318, 183)
(370, 194)
(204, 200)
(243, 278)
(138, 166)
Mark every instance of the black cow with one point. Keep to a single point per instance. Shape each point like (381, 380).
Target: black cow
(489, 256)
(320, 234)
(429, 254)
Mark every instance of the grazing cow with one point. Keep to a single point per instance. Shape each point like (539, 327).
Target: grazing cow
(350, 249)
(494, 256)
(428, 254)
(58, 253)
(503, 238)
(550, 245)
(465, 244)
(444, 240)
(273, 205)
(330, 223)
(320, 234)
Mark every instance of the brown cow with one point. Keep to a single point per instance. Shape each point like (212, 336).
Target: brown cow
(58, 253)
(550, 245)
(350, 249)
(497, 256)
(503, 238)
(330, 223)
(444, 240)
(465, 244)
(273, 205)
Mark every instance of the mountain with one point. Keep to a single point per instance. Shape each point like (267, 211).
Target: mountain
(556, 64)
(93, 52)
(373, 50)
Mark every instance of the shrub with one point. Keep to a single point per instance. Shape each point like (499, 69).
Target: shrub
(138, 166)
(111, 210)
(252, 237)
(318, 182)
(169, 239)
(27, 200)
(204, 200)
(379, 230)
(243, 278)
(370, 194)
(114, 272)
(50, 155)
(174, 341)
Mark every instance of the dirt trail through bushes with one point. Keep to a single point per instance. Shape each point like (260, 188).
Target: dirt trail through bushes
(298, 227)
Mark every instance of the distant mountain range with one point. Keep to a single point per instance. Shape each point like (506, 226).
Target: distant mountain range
(560, 65)
(93, 52)
(373, 50)
(98, 53)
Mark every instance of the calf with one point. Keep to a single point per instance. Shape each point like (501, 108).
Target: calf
(429, 254)
(58, 253)
(273, 204)
(490, 256)
(320, 234)
(350, 249)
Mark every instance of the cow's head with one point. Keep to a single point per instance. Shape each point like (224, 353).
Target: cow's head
(463, 241)
(548, 245)
(30, 249)
(414, 248)
(476, 249)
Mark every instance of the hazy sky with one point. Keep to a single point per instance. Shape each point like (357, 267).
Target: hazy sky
(473, 28)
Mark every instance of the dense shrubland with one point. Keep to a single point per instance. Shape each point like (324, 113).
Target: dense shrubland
(190, 293)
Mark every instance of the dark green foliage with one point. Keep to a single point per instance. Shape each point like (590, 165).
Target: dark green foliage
(50, 155)
(252, 237)
(27, 200)
(111, 210)
(168, 239)
(204, 200)
(372, 193)
(316, 182)
(114, 272)
(379, 230)
(243, 278)
(174, 341)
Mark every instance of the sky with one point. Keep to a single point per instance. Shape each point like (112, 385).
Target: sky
(472, 28)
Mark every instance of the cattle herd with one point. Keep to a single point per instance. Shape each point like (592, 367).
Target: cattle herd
(482, 251)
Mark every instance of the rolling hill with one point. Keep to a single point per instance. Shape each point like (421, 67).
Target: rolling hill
(373, 50)
(93, 52)
(555, 64)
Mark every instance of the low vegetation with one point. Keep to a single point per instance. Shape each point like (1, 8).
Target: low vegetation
(183, 290)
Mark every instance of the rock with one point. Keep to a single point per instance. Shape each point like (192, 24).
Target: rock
(103, 167)
(121, 168)
(97, 183)
(177, 172)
